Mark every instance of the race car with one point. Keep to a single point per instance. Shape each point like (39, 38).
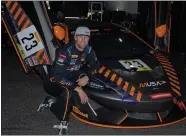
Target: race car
(136, 86)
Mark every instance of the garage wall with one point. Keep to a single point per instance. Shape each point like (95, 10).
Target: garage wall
(128, 6)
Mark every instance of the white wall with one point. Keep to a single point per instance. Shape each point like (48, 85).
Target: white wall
(128, 6)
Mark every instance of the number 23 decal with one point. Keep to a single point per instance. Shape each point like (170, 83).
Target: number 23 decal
(29, 47)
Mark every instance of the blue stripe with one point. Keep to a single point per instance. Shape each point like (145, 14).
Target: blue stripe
(133, 102)
(125, 97)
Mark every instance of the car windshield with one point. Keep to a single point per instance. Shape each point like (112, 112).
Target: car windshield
(110, 43)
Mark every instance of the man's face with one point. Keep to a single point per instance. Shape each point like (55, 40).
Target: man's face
(81, 41)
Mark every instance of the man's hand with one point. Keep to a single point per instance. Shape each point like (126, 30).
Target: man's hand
(83, 96)
(83, 81)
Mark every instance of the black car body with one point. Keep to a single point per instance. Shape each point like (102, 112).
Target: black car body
(134, 82)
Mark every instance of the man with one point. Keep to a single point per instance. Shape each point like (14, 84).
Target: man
(68, 75)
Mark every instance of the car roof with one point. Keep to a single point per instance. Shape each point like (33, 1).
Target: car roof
(74, 23)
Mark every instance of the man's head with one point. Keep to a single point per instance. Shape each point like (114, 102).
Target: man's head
(82, 36)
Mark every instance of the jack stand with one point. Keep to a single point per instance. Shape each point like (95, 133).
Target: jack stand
(63, 128)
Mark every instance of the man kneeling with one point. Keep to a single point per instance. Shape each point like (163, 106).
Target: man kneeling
(66, 75)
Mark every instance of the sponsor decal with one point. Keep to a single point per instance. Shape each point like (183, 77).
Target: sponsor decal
(60, 59)
(152, 84)
(83, 57)
(66, 82)
(95, 85)
(30, 62)
(30, 41)
(74, 56)
(73, 61)
(69, 68)
(160, 95)
(35, 61)
(135, 63)
(76, 67)
(76, 110)
(123, 97)
(23, 55)
(63, 56)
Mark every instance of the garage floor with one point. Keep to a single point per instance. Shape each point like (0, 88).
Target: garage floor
(22, 93)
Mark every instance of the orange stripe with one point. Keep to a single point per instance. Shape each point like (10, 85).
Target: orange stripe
(166, 64)
(119, 81)
(66, 102)
(101, 69)
(107, 73)
(26, 24)
(176, 91)
(175, 85)
(39, 52)
(183, 106)
(41, 61)
(174, 81)
(128, 127)
(14, 44)
(13, 7)
(132, 91)
(169, 68)
(21, 19)
(172, 76)
(171, 72)
(159, 117)
(125, 86)
(113, 77)
(161, 57)
(8, 3)
(139, 96)
(17, 13)
(164, 61)
(123, 118)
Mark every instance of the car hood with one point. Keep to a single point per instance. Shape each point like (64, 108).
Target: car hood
(149, 74)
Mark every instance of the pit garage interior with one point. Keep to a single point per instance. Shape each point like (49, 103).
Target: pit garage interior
(21, 87)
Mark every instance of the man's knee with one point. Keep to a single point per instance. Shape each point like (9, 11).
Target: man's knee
(66, 92)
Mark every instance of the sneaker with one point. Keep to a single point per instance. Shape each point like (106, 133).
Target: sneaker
(63, 128)
(46, 103)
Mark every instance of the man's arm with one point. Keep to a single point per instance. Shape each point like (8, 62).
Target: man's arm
(59, 70)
